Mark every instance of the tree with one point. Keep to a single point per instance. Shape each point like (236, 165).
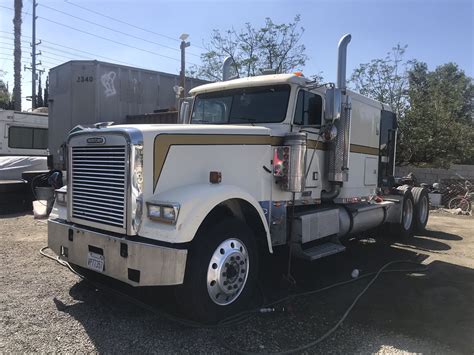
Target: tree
(437, 127)
(5, 97)
(17, 54)
(46, 92)
(39, 98)
(385, 79)
(273, 46)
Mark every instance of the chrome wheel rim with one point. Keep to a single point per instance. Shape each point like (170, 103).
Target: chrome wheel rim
(407, 213)
(227, 272)
(423, 209)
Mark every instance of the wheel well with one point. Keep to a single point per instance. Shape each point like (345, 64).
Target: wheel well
(242, 210)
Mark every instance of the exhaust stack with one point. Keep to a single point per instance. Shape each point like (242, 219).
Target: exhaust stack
(342, 60)
(226, 68)
(339, 148)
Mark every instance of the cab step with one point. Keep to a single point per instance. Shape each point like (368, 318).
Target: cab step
(319, 251)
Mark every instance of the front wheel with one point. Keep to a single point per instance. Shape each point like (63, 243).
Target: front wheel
(221, 272)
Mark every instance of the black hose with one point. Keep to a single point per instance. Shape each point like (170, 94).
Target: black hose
(246, 315)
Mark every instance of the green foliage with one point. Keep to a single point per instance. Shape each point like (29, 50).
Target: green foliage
(273, 46)
(39, 98)
(437, 127)
(5, 97)
(46, 93)
(385, 79)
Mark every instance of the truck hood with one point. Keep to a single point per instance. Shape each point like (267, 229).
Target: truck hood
(156, 129)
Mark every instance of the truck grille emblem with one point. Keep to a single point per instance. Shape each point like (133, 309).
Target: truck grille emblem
(96, 140)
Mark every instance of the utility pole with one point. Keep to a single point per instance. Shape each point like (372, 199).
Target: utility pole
(33, 56)
(183, 47)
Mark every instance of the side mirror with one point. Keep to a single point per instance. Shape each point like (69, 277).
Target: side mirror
(184, 108)
(333, 104)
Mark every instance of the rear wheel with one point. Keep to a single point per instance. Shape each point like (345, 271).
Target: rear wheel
(404, 229)
(221, 272)
(421, 208)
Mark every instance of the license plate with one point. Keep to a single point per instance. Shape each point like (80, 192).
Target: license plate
(95, 262)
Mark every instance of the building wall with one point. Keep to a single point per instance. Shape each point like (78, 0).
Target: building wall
(430, 176)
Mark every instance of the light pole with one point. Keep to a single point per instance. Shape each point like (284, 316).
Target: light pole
(183, 46)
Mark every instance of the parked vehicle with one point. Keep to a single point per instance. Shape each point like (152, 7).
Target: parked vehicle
(23, 133)
(259, 163)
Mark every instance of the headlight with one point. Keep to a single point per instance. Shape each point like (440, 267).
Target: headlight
(163, 212)
(61, 196)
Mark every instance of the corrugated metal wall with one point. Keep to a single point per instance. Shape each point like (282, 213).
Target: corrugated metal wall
(86, 92)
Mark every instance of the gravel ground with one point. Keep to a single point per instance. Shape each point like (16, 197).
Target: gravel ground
(46, 308)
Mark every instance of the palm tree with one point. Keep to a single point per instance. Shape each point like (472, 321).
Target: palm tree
(17, 55)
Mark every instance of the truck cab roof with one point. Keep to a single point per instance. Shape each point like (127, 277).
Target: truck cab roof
(260, 80)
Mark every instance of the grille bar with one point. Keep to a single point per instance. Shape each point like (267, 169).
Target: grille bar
(99, 184)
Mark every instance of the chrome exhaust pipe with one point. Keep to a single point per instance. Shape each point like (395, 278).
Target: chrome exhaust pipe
(342, 61)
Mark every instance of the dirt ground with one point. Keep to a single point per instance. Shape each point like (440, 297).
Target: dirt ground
(46, 308)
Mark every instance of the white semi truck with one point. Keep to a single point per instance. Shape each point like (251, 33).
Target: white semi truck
(259, 163)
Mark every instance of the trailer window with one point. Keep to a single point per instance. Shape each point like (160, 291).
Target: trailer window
(244, 105)
(309, 109)
(27, 138)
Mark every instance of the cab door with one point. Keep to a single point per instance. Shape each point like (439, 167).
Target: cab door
(388, 136)
(308, 119)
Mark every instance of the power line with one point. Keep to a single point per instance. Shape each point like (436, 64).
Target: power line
(64, 52)
(114, 30)
(107, 39)
(71, 48)
(95, 35)
(126, 23)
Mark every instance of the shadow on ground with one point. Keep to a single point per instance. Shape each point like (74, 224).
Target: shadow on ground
(435, 305)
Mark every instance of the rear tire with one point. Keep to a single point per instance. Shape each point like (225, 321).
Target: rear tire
(404, 229)
(221, 272)
(421, 208)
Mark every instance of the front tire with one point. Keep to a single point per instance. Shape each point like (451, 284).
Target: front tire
(221, 272)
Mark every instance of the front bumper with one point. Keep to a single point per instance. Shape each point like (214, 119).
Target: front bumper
(154, 265)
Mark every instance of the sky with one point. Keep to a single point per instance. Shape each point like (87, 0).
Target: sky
(436, 31)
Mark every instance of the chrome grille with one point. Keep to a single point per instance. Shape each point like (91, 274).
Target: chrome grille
(99, 184)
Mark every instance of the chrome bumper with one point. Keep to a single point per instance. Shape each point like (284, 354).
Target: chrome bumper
(154, 265)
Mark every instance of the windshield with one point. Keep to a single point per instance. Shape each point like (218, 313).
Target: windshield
(245, 105)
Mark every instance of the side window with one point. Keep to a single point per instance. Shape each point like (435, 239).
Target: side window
(309, 109)
(27, 138)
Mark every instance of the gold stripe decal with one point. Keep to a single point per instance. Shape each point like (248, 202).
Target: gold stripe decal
(355, 148)
(163, 142)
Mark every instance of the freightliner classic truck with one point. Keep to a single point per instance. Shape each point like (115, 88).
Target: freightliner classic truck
(259, 163)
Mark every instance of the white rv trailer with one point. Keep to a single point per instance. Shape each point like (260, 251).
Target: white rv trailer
(260, 163)
(23, 143)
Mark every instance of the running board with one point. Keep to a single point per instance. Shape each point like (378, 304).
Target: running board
(318, 251)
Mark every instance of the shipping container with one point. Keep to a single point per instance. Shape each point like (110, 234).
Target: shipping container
(85, 92)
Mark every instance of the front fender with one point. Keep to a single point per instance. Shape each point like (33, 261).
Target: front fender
(196, 201)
